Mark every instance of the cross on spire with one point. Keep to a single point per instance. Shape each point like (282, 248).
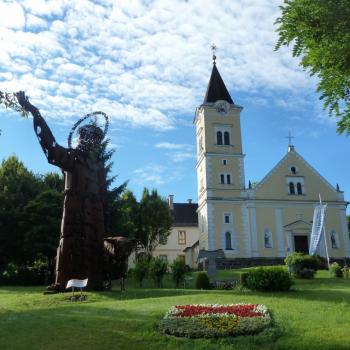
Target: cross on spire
(213, 48)
(290, 137)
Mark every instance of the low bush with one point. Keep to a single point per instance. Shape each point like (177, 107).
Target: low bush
(298, 262)
(157, 270)
(306, 273)
(141, 269)
(346, 272)
(179, 270)
(271, 278)
(336, 270)
(202, 281)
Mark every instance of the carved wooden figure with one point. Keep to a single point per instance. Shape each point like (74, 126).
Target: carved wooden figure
(80, 250)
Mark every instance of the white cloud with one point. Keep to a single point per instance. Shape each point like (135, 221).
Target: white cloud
(143, 63)
(174, 146)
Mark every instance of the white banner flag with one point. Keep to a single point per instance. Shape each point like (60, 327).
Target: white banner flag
(317, 226)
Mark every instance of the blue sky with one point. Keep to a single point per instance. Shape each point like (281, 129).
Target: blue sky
(147, 65)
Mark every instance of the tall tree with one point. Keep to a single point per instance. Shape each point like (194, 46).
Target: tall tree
(319, 32)
(17, 187)
(155, 221)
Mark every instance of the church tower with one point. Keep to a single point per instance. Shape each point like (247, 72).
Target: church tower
(220, 168)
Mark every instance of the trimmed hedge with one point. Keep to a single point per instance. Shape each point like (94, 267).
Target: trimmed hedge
(202, 281)
(267, 279)
(298, 262)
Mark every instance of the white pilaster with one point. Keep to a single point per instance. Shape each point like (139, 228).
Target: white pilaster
(211, 227)
(280, 238)
(247, 249)
(345, 231)
(254, 236)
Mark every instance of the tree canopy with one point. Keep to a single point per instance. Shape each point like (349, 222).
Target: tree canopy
(319, 32)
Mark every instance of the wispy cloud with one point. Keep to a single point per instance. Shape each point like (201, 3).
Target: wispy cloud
(174, 146)
(145, 63)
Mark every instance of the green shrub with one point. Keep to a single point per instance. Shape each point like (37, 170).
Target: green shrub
(336, 270)
(298, 262)
(346, 272)
(141, 269)
(202, 281)
(157, 270)
(269, 278)
(179, 270)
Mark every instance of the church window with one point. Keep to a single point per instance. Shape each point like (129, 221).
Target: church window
(222, 178)
(291, 188)
(227, 218)
(228, 178)
(226, 138)
(293, 169)
(181, 237)
(224, 162)
(299, 188)
(219, 138)
(267, 238)
(228, 242)
(334, 239)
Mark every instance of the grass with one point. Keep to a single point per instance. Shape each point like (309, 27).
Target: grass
(314, 315)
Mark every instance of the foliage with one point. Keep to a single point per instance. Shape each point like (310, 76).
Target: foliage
(15, 275)
(319, 32)
(202, 281)
(346, 272)
(300, 261)
(208, 321)
(179, 270)
(155, 221)
(141, 269)
(336, 270)
(157, 270)
(270, 278)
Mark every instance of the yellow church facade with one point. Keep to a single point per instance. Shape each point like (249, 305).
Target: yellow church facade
(266, 221)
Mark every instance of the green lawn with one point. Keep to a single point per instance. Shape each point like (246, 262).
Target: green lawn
(315, 315)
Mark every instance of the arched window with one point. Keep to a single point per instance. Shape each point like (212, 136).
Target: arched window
(293, 170)
(228, 177)
(299, 188)
(228, 241)
(226, 138)
(222, 178)
(219, 138)
(291, 188)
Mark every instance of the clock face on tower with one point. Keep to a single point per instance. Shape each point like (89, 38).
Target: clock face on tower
(221, 107)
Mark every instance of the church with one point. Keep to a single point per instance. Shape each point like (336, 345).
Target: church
(249, 225)
(265, 222)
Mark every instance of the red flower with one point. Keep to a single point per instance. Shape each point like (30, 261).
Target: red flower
(247, 310)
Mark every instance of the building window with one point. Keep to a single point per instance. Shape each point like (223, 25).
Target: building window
(293, 169)
(299, 188)
(222, 178)
(227, 218)
(334, 239)
(163, 258)
(291, 188)
(228, 178)
(182, 237)
(228, 242)
(226, 138)
(181, 258)
(224, 162)
(267, 238)
(219, 138)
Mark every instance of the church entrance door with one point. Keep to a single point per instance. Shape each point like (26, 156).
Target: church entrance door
(301, 244)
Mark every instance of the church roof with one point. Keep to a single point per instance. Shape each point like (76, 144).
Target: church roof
(185, 214)
(216, 88)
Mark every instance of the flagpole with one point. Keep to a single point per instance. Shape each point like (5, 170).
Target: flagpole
(324, 235)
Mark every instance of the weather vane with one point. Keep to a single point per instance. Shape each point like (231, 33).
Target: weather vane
(290, 137)
(213, 48)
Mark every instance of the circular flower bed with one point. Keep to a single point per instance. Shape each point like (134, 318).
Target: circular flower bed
(207, 321)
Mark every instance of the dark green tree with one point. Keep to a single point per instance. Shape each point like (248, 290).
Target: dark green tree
(40, 223)
(319, 31)
(157, 270)
(17, 187)
(155, 221)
